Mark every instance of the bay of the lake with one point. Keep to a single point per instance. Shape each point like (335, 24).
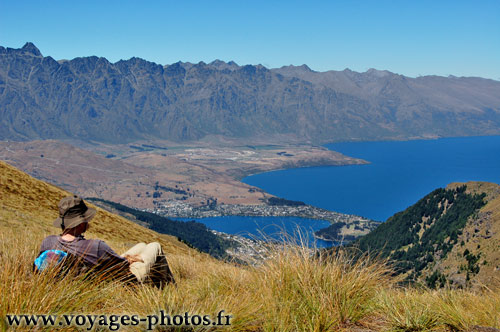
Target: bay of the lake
(399, 174)
(290, 229)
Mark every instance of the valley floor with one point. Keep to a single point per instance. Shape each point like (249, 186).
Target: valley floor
(148, 175)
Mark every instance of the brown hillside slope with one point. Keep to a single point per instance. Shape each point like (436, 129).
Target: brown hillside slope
(28, 204)
(481, 236)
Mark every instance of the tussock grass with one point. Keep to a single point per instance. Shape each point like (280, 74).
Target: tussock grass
(408, 310)
(310, 293)
(293, 290)
(462, 309)
(438, 310)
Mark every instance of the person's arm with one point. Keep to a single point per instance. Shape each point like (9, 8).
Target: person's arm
(106, 253)
(109, 254)
(111, 263)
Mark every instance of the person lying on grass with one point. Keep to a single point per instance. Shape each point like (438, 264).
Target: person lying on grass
(146, 262)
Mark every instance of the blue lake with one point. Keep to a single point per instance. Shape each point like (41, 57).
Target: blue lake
(399, 175)
(274, 228)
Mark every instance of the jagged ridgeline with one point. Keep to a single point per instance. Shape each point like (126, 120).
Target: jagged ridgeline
(424, 232)
(192, 233)
(90, 98)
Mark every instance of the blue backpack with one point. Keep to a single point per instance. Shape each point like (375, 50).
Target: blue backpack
(49, 258)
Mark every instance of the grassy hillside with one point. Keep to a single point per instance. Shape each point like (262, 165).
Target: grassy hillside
(438, 240)
(291, 291)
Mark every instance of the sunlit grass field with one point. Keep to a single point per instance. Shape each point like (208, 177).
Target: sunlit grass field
(291, 291)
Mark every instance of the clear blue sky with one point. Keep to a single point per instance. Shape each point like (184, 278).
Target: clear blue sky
(413, 38)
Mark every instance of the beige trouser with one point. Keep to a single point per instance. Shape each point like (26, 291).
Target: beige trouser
(155, 266)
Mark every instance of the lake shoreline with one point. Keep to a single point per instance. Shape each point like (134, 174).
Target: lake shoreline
(351, 224)
(404, 169)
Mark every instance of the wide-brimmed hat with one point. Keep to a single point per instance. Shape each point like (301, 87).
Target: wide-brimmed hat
(73, 212)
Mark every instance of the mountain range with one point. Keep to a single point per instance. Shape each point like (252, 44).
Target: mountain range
(92, 99)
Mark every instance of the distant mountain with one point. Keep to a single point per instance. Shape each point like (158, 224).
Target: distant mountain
(90, 98)
(451, 236)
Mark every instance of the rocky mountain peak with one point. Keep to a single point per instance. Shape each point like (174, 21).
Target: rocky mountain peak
(303, 67)
(31, 48)
(221, 65)
(378, 73)
(217, 63)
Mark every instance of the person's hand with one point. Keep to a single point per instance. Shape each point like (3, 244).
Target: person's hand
(133, 258)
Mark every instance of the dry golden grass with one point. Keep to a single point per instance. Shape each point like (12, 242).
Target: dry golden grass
(442, 310)
(303, 293)
(291, 291)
